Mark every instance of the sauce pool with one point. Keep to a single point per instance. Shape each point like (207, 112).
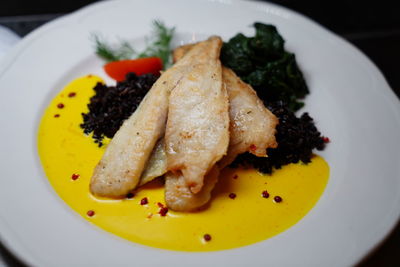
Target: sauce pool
(246, 207)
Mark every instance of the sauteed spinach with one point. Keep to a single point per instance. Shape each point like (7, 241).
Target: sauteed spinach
(263, 62)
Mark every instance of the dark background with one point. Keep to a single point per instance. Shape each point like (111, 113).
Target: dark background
(373, 26)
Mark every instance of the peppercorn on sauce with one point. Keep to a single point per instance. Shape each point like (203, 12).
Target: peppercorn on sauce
(246, 207)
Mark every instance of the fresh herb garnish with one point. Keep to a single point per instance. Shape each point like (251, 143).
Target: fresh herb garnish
(263, 62)
(158, 45)
(110, 54)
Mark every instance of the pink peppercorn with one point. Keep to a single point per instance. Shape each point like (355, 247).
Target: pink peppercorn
(232, 195)
(144, 201)
(207, 237)
(90, 213)
(278, 199)
(163, 211)
(326, 139)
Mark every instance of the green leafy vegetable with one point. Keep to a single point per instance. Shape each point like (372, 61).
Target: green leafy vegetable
(263, 62)
(158, 45)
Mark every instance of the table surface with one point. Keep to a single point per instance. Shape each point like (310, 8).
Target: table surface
(373, 28)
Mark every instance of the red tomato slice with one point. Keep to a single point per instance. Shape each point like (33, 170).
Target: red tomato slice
(118, 69)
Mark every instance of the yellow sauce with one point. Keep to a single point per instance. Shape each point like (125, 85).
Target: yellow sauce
(64, 150)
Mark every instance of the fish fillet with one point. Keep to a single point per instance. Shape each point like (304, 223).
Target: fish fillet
(243, 103)
(252, 125)
(124, 160)
(178, 195)
(156, 165)
(197, 131)
(180, 51)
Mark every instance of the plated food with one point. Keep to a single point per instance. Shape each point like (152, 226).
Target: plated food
(174, 145)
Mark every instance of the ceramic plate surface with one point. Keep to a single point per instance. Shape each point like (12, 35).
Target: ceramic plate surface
(350, 101)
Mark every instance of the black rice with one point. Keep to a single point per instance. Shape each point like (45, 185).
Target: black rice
(111, 105)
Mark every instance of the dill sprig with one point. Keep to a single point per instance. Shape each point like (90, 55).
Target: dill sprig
(158, 45)
(107, 52)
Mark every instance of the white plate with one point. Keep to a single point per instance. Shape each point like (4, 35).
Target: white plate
(350, 100)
